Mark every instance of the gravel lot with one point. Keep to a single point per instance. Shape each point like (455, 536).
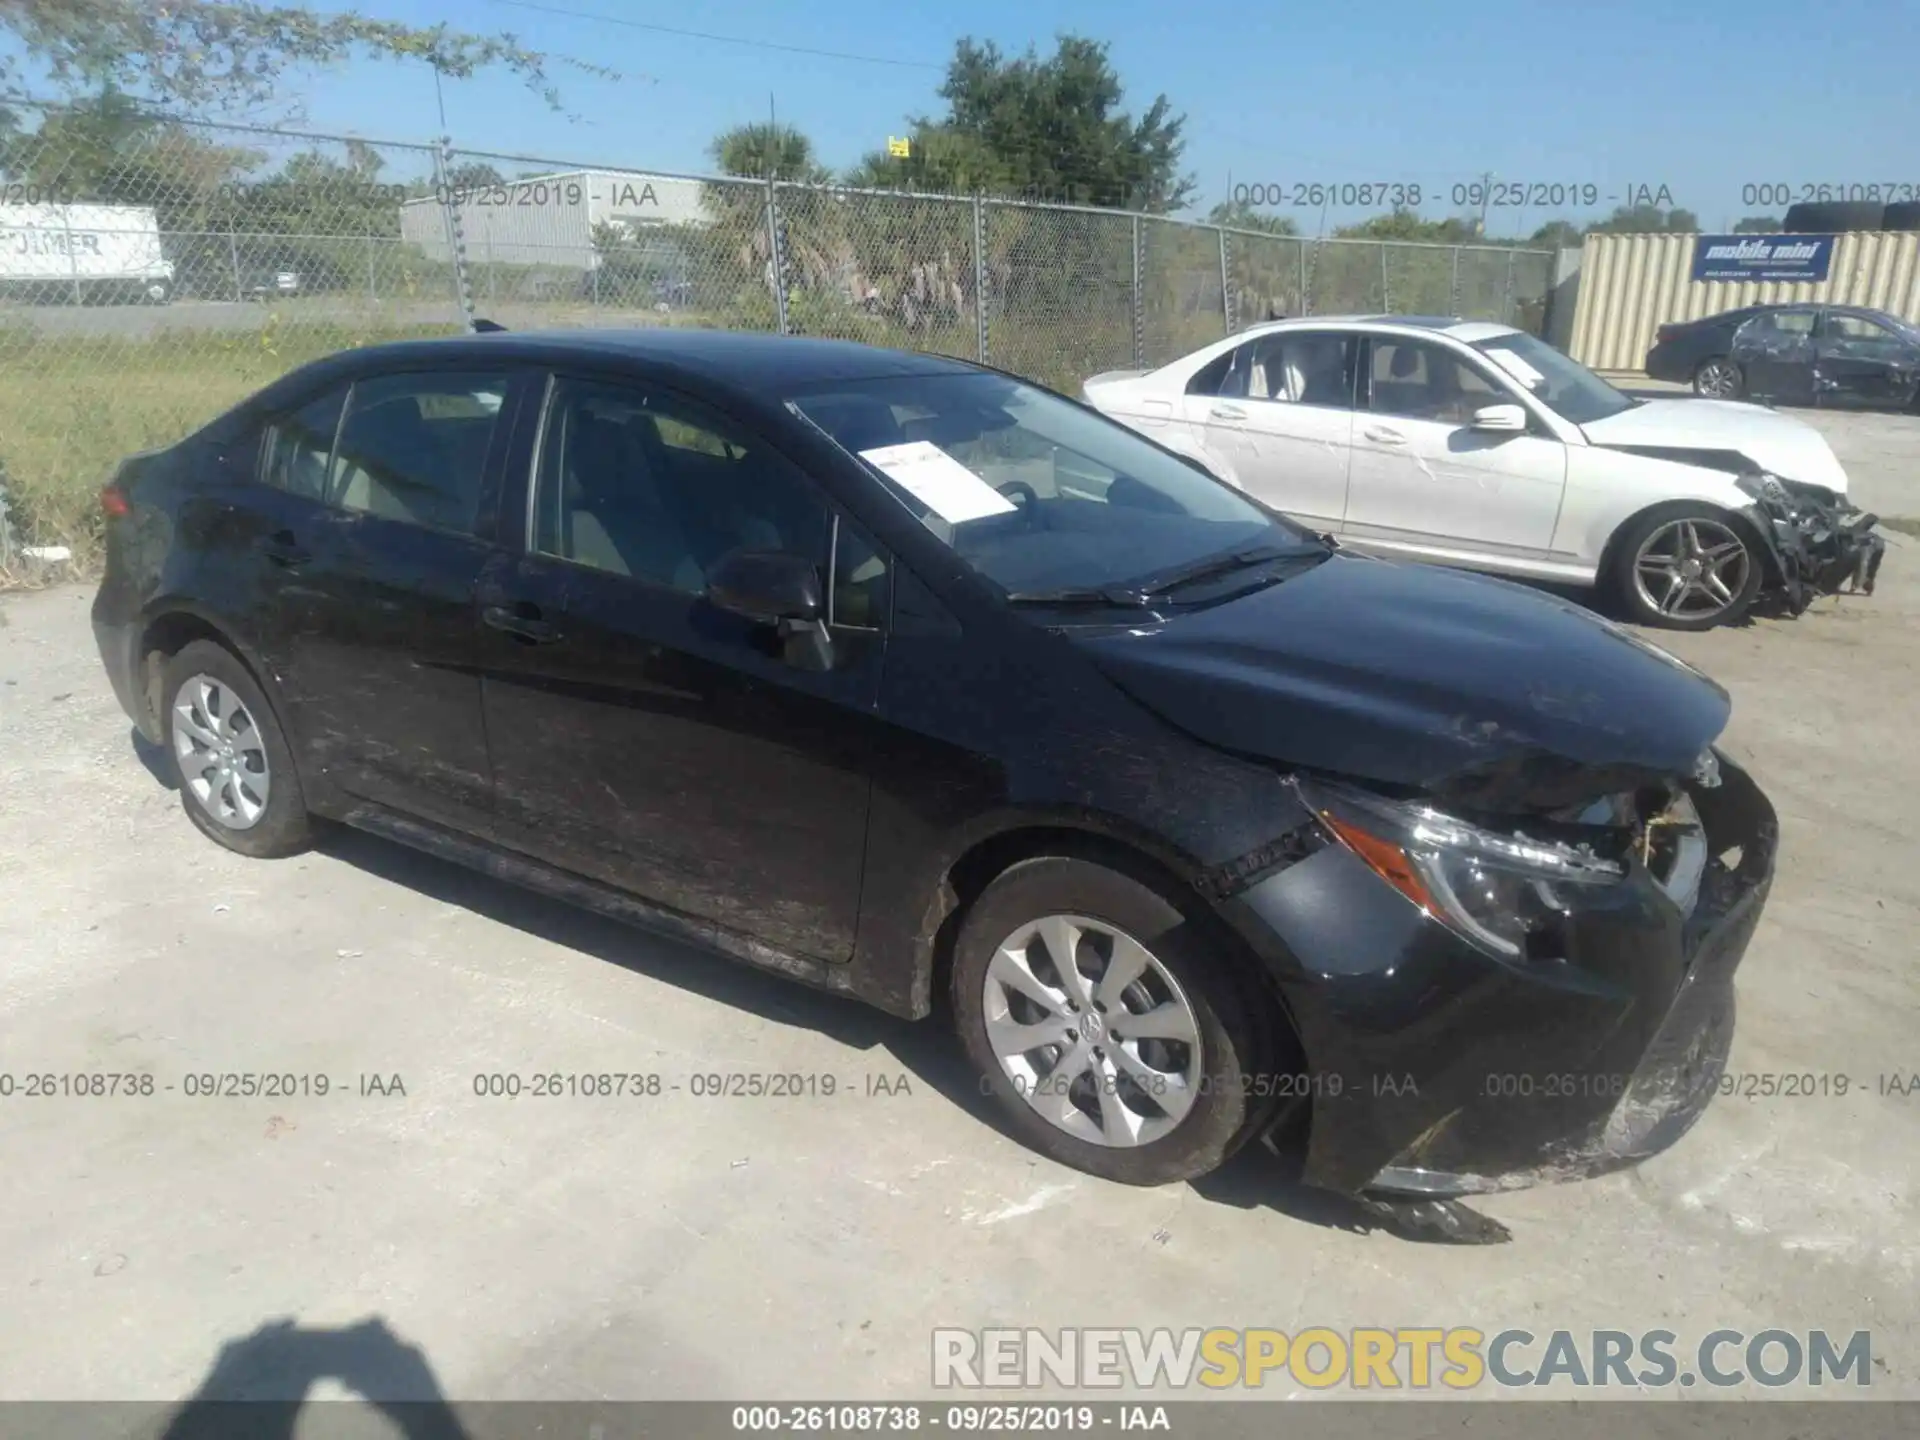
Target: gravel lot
(700, 1248)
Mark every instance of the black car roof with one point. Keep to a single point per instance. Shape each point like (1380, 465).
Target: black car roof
(748, 359)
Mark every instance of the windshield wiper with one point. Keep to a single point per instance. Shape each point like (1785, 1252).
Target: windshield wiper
(1213, 567)
(1078, 596)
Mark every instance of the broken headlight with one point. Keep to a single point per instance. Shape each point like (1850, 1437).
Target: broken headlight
(1498, 889)
(1763, 486)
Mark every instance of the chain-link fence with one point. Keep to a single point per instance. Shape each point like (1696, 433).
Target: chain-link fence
(154, 271)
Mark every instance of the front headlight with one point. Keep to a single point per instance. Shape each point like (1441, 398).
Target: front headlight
(1498, 890)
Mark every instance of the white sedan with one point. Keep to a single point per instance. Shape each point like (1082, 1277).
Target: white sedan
(1479, 445)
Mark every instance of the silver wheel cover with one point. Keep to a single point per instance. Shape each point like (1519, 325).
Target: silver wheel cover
(1093, 1031)
(222, 758)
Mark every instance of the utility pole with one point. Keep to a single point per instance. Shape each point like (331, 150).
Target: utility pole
(1486, 195)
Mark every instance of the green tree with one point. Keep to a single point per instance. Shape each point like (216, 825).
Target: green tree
(1047, 129)
(1404, 224)
(215, 53)
(473, 175)
(763, 151)
(1556, 235)
(1647, 220)
(1758, 225)
(1238, 215)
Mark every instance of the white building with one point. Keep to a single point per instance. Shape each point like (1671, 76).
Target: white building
(549, 219)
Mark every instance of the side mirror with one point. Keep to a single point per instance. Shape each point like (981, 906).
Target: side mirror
(766, 586)
(1500, 419)
(771, 587)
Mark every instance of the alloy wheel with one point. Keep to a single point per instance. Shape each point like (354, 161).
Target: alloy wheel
(1691, 569)
(223, 760)
(1719, 379)
(1093, 1031)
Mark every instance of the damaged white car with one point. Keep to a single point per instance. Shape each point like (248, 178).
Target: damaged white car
(1478, 445)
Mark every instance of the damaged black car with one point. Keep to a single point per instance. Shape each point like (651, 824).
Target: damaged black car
(904, 678)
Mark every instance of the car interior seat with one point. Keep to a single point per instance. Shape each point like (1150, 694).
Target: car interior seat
(394, 467)
(613, 516)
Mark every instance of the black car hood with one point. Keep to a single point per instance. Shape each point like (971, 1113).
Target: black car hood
(1474, 690)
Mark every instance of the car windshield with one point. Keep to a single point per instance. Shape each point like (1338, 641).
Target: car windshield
(1040, 495)
(1563, 385)
(1904, 328)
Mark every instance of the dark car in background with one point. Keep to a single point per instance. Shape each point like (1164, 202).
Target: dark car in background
(1810, 355)
(902, 677)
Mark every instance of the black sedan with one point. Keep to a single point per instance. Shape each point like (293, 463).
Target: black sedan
(905, 678)
(1812, 355)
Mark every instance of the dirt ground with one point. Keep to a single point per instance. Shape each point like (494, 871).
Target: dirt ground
(706, 1248)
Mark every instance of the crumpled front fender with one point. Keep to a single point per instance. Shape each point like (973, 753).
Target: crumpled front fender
(1817, 543)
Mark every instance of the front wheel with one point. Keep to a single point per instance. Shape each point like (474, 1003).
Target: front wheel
(1115, 1038)
(1718, 379)
(1688, 567)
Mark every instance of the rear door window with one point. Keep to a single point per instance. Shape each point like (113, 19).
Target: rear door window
(413, 448)
(299, 448)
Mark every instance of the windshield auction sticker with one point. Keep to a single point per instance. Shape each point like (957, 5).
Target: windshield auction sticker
(934, 477)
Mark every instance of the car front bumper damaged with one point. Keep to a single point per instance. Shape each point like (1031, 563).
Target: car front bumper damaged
(1817, 543)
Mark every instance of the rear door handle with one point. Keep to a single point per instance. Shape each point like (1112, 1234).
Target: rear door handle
(284, 548)
(522, 621)
(1227, 412)
(1386, 437)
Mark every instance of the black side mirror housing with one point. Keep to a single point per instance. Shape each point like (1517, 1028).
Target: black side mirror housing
(766, 586)
(771, 587)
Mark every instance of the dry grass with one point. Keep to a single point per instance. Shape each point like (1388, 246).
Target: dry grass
(71, 409)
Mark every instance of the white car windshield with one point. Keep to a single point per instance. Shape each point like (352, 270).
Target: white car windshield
(1563, 385)
(1040, 495)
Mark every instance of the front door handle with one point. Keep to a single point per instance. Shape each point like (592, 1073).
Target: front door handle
(1227, 412)
(522, 621)
(283, 548)
(1385, 437)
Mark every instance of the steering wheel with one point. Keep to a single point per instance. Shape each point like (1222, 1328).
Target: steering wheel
(1025, 496)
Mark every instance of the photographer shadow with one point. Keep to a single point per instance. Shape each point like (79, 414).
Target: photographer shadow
(259, 1383)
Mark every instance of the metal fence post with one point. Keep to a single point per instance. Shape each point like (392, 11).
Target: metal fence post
(456, 234)
(1306, 296)
(1386, 290)
(233, 259)
(1139, 305)
(980, 277)
(373, 293)
(779, 260)
(1226, 285)
(1453, 291)
(1506, 302)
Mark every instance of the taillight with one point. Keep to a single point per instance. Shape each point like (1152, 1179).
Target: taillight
(113, 501)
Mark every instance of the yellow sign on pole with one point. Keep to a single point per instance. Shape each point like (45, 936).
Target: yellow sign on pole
(900, 148)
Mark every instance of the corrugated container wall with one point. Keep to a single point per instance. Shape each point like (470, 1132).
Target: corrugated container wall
(1630, 285)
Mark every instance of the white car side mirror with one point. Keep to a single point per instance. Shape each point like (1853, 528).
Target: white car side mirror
(1501, 419)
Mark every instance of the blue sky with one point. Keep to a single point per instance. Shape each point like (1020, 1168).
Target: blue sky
(1699, 98)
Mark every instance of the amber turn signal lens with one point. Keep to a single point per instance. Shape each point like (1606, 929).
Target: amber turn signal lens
(1384, 858)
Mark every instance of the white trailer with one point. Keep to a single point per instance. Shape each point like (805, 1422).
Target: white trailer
(58, 253)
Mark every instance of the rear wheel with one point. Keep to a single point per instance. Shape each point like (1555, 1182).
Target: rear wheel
(1718, 379)
(1687, 567)
(1116, 1037)
(235, 772)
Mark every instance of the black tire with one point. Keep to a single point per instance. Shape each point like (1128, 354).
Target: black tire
(1233, 1019)
(282, 826)
(1637, 532)
(1719, 377)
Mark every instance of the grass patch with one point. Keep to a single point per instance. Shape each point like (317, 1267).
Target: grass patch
(71, 407)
